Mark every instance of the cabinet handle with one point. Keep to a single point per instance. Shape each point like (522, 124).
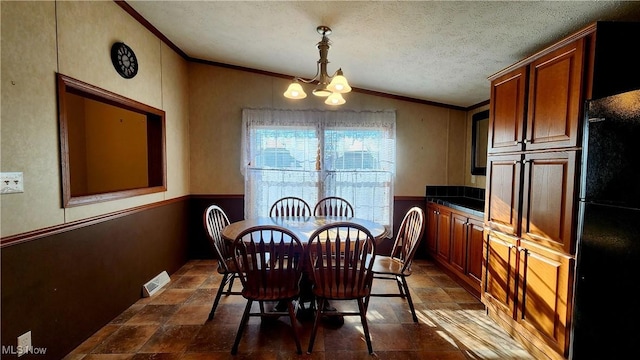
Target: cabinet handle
(526, 141)
(510, 247)
(523, 251)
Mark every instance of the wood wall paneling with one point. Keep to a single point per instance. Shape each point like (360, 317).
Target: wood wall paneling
(66, 286)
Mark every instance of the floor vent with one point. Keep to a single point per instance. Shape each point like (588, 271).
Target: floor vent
(155, 284)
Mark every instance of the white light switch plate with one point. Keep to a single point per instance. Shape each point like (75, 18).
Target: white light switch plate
(11, 182)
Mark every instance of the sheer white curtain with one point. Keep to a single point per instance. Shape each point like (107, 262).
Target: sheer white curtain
(312, 154)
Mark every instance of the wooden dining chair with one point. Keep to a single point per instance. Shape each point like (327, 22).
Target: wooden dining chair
(215, 220)
(397, 265)
(340, 257)
(333, 206)
(270, 260)
(290, 206)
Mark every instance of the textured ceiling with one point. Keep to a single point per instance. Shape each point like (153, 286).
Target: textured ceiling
(440, 51)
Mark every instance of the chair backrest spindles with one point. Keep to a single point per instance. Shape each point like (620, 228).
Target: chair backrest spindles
(333, 206)
(290, 206)
(340, 257)
(215, 220)
(409, 236)
(270, 261)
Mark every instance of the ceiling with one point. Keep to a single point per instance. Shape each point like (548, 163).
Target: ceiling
(438, 51)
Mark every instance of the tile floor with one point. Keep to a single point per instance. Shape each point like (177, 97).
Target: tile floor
(172, 325)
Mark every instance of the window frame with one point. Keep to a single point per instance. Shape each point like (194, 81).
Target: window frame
(322, 121)
(156, 143)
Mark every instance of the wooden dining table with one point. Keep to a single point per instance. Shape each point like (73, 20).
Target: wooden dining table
(302, 226)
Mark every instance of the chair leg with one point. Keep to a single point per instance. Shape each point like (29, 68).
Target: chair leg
(292, 317)
(400, 283)
(225, 278)
(243, 324)
(365, 326)
(316, 322)
(230, 280)
(366, 303)
(406, 291)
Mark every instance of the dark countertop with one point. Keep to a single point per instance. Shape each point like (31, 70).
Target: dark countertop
(471, 206)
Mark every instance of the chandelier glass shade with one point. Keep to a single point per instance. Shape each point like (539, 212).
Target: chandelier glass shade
(332, 87)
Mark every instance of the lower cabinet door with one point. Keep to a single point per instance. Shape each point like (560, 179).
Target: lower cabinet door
(475, 244)
(499, 282)
(432, 228)
(545, 279)
(443, 246)
(459, 226)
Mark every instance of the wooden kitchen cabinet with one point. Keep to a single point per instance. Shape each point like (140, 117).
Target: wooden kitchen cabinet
(531, 285)
(507, 112)
(432, 227)
(466, 248)
(458, 242)
(548, 201)
(548, 184)
(545, 290)
(551, 89)
(443, 237)
(499, 277)
(438, 231)
(530, 197)
(475, 245)
(504, 178)
(455, 241)
(535, 133)
(555, 98)
(530, 251)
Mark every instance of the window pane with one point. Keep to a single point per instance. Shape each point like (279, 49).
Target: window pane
(284, 148)
(267, 186)
(350, 149)
(369, 192)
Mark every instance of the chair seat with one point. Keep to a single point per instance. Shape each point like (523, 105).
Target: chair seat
(270, 293)
(389, 266)
(233, 268)
(272, 286)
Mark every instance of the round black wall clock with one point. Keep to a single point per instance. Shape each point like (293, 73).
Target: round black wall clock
(124, 60)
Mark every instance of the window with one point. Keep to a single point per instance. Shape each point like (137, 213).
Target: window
(313, 154)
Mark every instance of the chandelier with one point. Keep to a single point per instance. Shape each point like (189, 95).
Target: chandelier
(331, 87)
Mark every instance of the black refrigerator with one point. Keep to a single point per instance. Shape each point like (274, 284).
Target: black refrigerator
(606, 321)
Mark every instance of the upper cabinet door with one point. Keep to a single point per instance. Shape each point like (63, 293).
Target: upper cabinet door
(555, 93)
(507, 110)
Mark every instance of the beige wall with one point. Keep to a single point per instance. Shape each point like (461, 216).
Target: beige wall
(430, 145)
(74, 38)
(203, 112)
